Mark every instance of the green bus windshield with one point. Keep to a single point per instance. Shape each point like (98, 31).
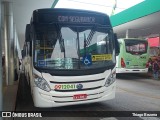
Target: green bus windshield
(136, 46)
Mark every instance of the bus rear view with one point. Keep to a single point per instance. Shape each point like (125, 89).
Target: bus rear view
(60, 74)
(133, 57)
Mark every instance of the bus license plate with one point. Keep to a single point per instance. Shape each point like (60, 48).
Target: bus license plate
(80, 96)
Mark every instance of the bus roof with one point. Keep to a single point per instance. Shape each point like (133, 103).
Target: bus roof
(46, 10)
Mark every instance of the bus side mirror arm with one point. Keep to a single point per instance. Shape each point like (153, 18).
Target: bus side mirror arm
(117, 48)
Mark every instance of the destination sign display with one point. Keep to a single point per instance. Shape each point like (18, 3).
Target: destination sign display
(70, 16)
(77, 19)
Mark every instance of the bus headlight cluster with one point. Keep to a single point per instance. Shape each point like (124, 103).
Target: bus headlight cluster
(41, 83)
(111, 79)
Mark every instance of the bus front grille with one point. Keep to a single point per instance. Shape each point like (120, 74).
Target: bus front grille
(85, 89)
(66, 99)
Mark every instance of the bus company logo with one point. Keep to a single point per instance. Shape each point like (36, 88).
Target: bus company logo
(79, 86)
(20, 114)
(6, 114)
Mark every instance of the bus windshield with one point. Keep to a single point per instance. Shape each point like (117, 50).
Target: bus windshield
(74, 47)
(135, 46)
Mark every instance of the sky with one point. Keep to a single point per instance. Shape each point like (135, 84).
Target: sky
(104, 6)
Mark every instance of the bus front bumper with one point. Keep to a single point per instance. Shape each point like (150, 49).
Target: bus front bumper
(125, 70)
(56, 99)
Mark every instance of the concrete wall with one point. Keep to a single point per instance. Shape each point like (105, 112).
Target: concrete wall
(22, 11)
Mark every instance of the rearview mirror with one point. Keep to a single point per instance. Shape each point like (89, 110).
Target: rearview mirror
(27, 33)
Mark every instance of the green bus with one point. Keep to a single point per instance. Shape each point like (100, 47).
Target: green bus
(133, 56)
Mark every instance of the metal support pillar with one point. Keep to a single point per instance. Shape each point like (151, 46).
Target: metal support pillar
(8, 41)
(127, 33)
(1, 80)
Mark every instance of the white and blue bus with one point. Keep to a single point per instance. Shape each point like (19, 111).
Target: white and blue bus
(58, 72)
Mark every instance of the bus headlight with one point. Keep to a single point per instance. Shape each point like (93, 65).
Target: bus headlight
(111, 79)
(41, 83)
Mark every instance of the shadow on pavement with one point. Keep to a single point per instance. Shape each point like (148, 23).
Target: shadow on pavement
(134, 75)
